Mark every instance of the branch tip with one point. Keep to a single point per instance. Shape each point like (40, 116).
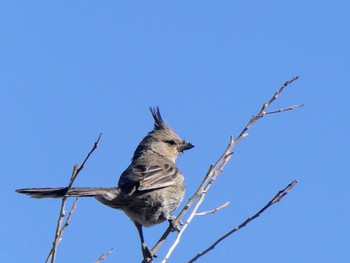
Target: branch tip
(213, 210)
(59, 227)
(279, 195)
(231, 139)
(104, 255)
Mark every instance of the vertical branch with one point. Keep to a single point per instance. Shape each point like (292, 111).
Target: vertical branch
(59, 228)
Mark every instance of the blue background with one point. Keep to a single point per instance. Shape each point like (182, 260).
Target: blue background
(72, 69)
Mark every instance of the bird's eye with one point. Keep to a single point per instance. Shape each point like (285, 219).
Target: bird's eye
(171, 142)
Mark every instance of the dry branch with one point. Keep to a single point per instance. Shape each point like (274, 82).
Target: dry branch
(213, 172)
(104, 255)
(68, 219)
(274, 200)
(59, 228)
(213, 210)
(197, 198)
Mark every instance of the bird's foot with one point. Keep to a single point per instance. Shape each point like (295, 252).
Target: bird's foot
(147, 253)
(175, 226)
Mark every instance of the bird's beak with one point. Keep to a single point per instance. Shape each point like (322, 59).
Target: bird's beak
(185, 146)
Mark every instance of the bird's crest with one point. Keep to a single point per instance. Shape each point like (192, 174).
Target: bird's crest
(158, 121)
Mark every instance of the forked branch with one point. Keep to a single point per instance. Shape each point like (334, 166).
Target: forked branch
(214, 171)
(59, 228)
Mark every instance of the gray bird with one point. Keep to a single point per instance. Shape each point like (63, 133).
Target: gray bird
(148, 190)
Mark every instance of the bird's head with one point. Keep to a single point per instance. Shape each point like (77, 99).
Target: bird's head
(163, 139)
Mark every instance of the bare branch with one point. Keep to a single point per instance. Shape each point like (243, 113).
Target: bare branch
(52, 255)
(213, 210)
(212, 173)
(197, 205)
(103, 256)
(281, 89)
(274, 200)
(182, 213)
(59, 228)
(285, 109)
(263, 108)
(68, 220)
(201, 191)
(84, 162)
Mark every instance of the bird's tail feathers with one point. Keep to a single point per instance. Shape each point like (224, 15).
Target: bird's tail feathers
(59, 192)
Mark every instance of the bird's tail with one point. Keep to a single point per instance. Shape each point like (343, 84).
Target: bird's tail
(59, 192)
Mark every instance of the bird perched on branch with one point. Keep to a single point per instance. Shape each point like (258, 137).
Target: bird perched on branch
(148, 190)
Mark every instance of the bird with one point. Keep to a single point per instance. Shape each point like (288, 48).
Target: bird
(149, 189)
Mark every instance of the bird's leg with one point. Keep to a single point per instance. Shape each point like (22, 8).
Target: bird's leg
(174, 227)
(146, 251)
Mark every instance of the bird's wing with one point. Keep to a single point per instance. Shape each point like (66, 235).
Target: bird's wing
(147, 177)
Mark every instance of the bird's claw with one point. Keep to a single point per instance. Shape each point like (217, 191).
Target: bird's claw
(147, 253)
(175, 226)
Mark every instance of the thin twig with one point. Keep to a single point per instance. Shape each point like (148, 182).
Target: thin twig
(68, 220)
(58, 233)
(212, 173)
(59, 228)
(81, 167)
(285, 109)
(104, 255)
(264, 107)
(213, 210)
(274, 200)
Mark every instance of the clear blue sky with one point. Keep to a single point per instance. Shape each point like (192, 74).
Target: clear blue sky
(70, 70)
